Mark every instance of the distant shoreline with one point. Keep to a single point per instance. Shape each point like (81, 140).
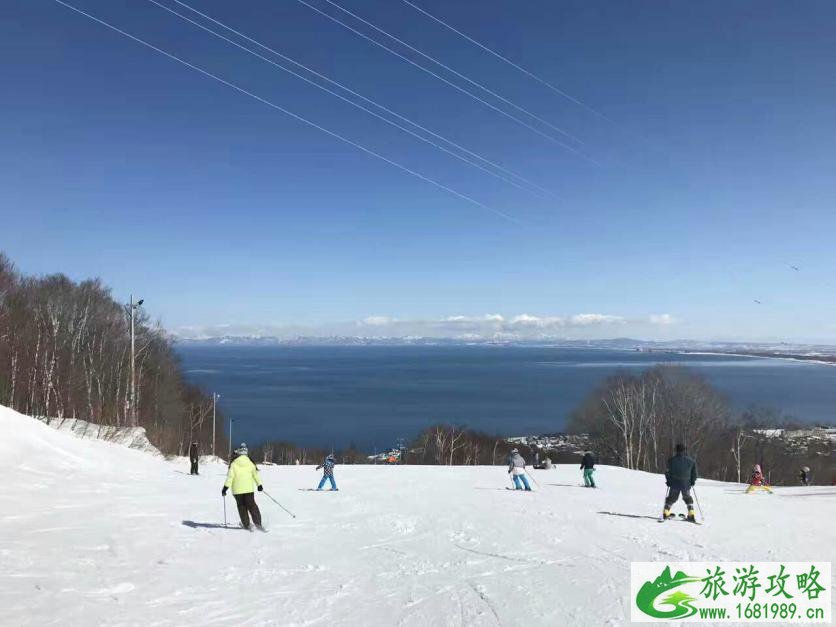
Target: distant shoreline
(824, 360)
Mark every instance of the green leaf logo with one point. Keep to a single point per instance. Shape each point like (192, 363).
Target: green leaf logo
(678, 600)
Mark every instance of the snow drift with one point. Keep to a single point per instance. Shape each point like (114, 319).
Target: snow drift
(132, 437)
(92, 532)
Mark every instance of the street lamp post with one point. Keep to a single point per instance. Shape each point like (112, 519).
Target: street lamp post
(132, 308)
(215, 398)
(230, 438)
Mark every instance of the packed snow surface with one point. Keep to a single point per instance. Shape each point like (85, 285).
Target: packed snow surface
(95, 533)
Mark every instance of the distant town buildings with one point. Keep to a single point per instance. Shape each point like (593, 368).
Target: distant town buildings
(814, 433)
(557, 442)
(821, 440)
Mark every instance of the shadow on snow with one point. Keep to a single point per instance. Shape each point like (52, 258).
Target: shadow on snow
(203, 525)
(628, 515)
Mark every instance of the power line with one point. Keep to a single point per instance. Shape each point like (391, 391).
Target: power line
(341, 97)
(499, 56)
(444, 80)
(287, 112)
(510, 181)
(459, 74)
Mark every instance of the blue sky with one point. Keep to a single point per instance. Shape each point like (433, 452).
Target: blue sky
(711, 172)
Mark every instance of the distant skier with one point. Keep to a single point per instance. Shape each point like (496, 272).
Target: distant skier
(588, 467)
(243, 479)
(193, 458)
(516, 468)
(757, 481)
(805, 475)
(680, 477)
(328, 472)
(547, 465)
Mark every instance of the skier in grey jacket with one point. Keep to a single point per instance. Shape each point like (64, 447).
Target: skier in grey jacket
(516, 468)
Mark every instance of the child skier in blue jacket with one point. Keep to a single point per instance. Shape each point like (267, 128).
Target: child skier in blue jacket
(328, 472)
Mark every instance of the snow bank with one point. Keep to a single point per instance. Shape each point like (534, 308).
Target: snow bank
(47, 450)
(132, 437)
(95, 533)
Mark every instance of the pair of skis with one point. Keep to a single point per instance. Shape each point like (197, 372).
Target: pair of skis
(681, 517)
(253, 529)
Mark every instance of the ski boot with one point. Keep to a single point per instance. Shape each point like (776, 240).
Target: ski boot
(691, 517)
(667, 514)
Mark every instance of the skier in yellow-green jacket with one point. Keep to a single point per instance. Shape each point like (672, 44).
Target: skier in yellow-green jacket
(243, 479)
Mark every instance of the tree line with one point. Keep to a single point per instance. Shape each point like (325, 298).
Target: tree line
(457, 445)
(635, 420)
(65, 353)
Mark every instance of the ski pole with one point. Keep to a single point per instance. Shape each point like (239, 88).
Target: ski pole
(279, 504)
(224, 498)
(698, 504)
(537, 483)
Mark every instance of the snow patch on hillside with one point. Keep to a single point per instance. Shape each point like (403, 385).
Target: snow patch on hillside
(93, 533)
(132, 437)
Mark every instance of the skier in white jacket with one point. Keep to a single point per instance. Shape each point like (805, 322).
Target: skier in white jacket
(516, 468)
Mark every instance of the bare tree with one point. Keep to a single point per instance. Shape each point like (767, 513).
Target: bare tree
(637, 419)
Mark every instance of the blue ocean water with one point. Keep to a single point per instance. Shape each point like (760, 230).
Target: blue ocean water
(372, 395)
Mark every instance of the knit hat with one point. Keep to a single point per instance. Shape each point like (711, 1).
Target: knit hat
(242, 450)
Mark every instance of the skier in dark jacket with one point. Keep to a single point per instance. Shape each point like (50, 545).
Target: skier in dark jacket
(193, 458)
(680, 477)
(328, 472)
(588, 467)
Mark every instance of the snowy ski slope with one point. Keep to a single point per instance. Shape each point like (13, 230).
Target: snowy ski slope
(94, 533)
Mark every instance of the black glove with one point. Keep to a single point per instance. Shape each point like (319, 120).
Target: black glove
(261, 488)
(668, 483)
(223, 492)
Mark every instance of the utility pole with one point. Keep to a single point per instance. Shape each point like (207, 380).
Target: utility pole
(230, 439)
(132, 307)
(215, 398)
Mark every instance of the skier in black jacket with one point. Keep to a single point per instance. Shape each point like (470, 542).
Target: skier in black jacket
(588, 467)
(680, 477)
(193, 458)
